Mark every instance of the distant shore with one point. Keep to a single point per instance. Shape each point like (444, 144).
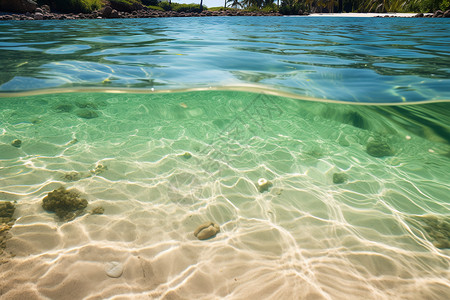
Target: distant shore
(367, 15)
(109, 13)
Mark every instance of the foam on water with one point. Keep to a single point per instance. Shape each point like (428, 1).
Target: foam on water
(305, 238)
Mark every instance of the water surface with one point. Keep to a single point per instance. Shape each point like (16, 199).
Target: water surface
(350, 59)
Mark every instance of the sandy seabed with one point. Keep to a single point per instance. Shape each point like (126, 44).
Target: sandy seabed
(304, 238)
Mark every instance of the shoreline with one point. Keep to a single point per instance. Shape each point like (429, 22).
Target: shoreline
(368, 15)
(109, 13)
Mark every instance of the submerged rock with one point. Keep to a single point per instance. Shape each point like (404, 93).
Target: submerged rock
(339, 178)
(99, 168)
(87, 114)
(186, 155)
(72, 176)
(64, 108)
(207, 230)
(72, 142)
(263, 185)
(86, 104)
(98, 210)
(67, 204)
(315, 152)
(379, 148)
(7, 209)
(16, 143)
(437, 228)
(18, 6)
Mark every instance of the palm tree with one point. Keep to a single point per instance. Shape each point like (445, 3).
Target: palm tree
(234, 3)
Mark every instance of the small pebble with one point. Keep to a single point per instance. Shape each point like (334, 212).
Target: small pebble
(186, 155)
(263, 185)
(114, 269)
(99, 210)
(207, 230)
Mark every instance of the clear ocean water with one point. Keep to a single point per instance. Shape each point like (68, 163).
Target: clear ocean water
(170, 123)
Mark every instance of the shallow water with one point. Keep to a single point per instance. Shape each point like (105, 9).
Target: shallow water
(306, 237)
(160, 163)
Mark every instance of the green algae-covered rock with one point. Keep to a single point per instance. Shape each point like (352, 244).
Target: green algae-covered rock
(186, 155)
(6, 211)
(67, 204)
(339, 178)
(379, 148)
(64, 107)
(437, 229)
(98, 210)
(16, 143)
(87, 114)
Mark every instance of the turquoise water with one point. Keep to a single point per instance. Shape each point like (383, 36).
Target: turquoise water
(167, 124)
(350, 59)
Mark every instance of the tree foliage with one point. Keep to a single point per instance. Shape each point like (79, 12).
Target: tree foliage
(77, 6)
(292, 6)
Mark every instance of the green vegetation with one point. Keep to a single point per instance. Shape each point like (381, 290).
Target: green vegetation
(125, 5)
(283, 6)
(155, 7)
(76, 6)
(187, 8)
(221, 8)
(252, 5)
(293, 6)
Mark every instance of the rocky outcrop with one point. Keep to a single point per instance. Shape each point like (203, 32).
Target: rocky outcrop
(113, 13)
(18, 6)
(378, 148)
(436, 14)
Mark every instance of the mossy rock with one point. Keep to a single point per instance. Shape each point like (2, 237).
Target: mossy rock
(339, 178)
(65, 107)
(87, 114)
(98, 210)
(437, 229)
(378, 148)
(67, 204)
(6, 210)
(86, 104)
(186, 155)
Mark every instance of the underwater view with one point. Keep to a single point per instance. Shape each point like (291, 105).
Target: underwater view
(225, 158)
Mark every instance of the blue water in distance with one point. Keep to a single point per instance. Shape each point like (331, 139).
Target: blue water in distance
(349, 59)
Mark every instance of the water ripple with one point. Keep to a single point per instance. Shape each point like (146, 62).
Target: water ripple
(349, 59)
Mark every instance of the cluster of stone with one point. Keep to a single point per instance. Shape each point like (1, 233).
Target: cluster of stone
(436, 14)
(43, 13)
